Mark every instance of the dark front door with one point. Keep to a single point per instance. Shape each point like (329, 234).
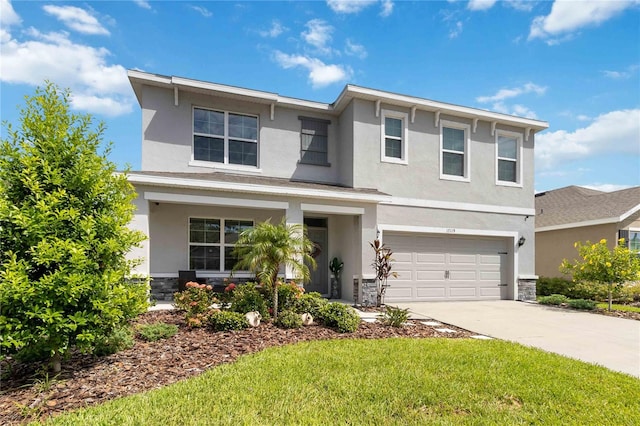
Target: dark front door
(320, 276)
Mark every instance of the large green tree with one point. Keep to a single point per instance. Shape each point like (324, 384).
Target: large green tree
(266, 248)
(601, 265)
(65, 280)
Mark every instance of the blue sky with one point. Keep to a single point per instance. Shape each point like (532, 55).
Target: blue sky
(575, 64)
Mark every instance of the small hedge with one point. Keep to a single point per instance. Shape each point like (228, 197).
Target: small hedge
(157, 331)
(341, 317)
(289, 319)
(587, 305)
(227, 321)
(554, 299)
(310, 303)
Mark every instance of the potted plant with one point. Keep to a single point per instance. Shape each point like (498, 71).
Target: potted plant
(335, 266)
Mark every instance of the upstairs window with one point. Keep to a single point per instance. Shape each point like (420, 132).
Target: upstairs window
(454, 151)
(225, 137)
(508, 162)
(211, 243)
(394, 137)
(313, 141)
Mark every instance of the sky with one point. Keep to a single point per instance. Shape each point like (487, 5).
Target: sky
(574, 64)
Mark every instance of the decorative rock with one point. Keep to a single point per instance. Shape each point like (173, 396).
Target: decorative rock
(480, 337)
(307, 319)
(431, 323)
(445, 330)
(253, 318)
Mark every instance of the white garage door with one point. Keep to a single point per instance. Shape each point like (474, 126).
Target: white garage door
(434, 268)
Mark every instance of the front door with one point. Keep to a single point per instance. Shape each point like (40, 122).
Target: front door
(320, 276)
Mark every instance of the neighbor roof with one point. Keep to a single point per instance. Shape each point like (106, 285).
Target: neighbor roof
(574, 206)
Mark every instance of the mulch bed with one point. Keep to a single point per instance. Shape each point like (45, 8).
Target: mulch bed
(89, 380)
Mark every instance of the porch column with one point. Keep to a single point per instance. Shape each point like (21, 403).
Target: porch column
(140, 223)
(294, 215)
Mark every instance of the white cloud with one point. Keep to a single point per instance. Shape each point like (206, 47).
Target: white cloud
(606, 187)
(275, 30)
(582, 117)
(503, 94)
(8, 16)
(96, 85)
(355, 49)
(143, 4)
(77, 19)
(349, 6)
(456, 30)
(567, 17)
(621, 75)
(522, 5)
(387, 8)
(202, 11)
(613, 132)
(519, 110)
(318, 35)
(320, 74)
(480, 4)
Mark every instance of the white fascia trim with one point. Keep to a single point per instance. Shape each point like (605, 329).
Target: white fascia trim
(448, 231)
(214, 87)
(452, 205)
(528, 277)
(203, 274)
(254, 188)
(445, 108)
(629, 213)
(214, 201)
(579, 224)
(324, 208)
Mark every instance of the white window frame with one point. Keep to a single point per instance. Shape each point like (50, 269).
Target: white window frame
(519, 152)
(225, 164)
(222, 244)
(404, 140)
(466, 177)
(629, 242)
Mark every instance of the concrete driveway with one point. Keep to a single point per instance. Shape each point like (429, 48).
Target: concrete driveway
(611, 342)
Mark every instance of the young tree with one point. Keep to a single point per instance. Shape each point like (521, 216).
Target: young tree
(64, 217)
(604, 266)
(265, 248)
(382, 264)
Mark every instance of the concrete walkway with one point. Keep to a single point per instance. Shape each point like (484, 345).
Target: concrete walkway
(608, 341)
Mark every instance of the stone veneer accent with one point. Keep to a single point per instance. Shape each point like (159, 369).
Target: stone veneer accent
(526, 289)
(369, 292)
(162, 289)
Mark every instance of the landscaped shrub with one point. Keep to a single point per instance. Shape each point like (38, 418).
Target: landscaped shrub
(118, 340)
(554, 299)
(395, 317)
(195, 299)
(341, 317)
(288, 294)
(227, 321)
(546, 286)
(157, 331)
(311, 303)
(247, 298)
(289, 319)
(587, 305)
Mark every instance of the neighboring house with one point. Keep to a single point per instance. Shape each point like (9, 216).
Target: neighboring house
(448, 188)
(567, 215)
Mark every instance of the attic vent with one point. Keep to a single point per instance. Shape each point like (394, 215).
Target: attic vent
(540, 194)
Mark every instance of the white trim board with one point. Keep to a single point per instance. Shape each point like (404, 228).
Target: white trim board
(453, 205)
(173, 182)
(325, 208)
(214, 201)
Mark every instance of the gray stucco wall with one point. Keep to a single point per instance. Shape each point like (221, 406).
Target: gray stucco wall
(420, 178)
(167, 137)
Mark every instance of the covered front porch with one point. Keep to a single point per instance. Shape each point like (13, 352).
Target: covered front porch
(196, 229)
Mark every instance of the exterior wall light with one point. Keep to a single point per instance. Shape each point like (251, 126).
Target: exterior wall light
(521, 241)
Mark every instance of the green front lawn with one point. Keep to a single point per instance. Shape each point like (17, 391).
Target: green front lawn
(623, 308)
(391, 381)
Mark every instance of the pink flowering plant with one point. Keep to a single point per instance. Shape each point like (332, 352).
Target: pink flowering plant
(195, 301)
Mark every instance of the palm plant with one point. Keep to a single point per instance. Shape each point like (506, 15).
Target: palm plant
(265, 248)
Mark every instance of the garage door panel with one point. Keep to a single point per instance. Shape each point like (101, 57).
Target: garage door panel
(469, 259)
(429, 276)
(474, 267)
(431, 292)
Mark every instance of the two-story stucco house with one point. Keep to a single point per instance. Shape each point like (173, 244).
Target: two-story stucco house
(448, 188)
